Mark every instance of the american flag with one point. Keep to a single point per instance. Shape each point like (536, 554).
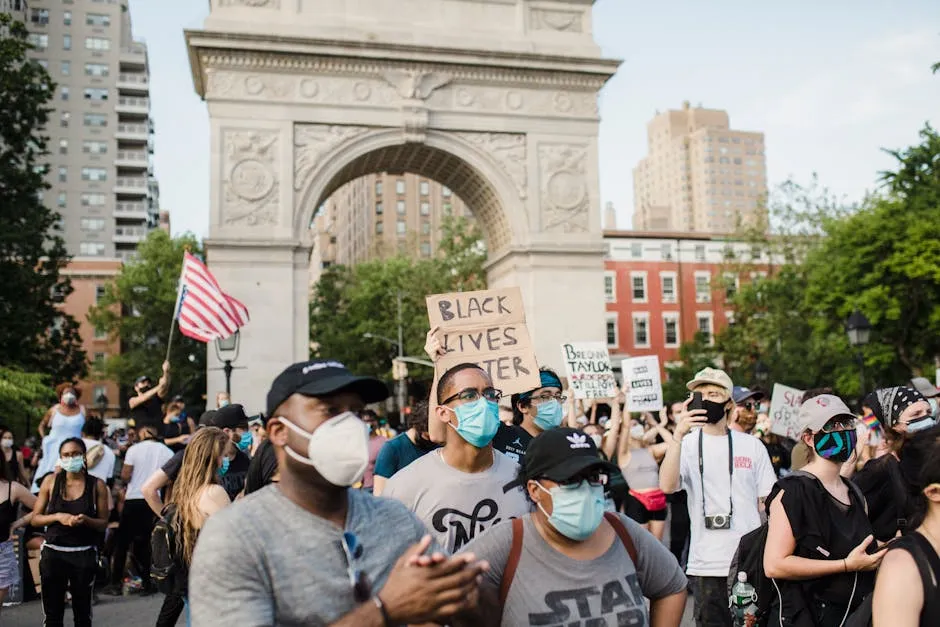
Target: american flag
(204, 311)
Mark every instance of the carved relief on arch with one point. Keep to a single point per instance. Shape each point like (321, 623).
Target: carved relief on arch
(257, 4)
(311, 143)
(250, 185)
(565, 196)
(508, 151)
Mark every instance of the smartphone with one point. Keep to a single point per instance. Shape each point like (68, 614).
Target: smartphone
(696, 401)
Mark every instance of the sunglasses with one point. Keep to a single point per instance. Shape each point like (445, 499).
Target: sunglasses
(595, 478)
(358, 580)
(471, 395)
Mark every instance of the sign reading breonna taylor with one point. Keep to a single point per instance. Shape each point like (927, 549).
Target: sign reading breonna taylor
(589, 371)
(486, 328)
(642, 383)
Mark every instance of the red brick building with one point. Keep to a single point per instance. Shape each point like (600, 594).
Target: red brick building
(662, 288)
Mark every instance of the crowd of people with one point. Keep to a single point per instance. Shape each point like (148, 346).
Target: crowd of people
(534, 508)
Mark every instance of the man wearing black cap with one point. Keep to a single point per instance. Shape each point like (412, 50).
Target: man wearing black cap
(147, 406)
(569, 562)
(234, 422)
(310, 551)
(744, 414)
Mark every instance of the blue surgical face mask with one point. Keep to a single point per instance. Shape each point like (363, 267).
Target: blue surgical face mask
(577, 510)
(477, 422)
(920, 424)
(245, 442)
(71, 464)
(224, 468)
(549, 415)
(934, 407)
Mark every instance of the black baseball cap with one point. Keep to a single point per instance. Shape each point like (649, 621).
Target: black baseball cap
(560, 454)
(322, 377)
(141, 379)
(230, 417)
(207, 419)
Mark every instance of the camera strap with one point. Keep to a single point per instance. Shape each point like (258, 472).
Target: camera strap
(701, 472)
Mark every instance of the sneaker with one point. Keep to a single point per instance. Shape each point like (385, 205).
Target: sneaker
(112, 590)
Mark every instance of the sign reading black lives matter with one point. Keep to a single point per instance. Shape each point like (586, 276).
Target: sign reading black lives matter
(642, 383)
(588, 368)
(486, 328)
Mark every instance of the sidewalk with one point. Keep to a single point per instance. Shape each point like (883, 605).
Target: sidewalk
(109, 612)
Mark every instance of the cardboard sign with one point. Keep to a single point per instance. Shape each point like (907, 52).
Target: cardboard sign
(486, 328)
(642, 383)
(785, 411)
(588, 368)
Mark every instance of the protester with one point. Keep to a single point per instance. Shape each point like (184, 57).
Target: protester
(679, 524)
(73, 506)
(930, 392)
(534, 411)
(100, 457)
(607, 439)
(907, 591)
(726, 474)
(746, 404)
(466, 496)
(801, 454)
(177, 427)
(646, 502)
(567, 549)
(820, 549)
(222, 399)
(142, 460)
(310, 550)
(263, 469)
(234, 422)
(147, 405)
(404, 448)
(376, 442)
(258, 434)
(15, 464)
(196, 496)
(12, 495)
(64, 421)
(886, 481)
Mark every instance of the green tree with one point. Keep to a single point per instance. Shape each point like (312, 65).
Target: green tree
(137, 309)
(24, 398)
(35, 334)
(693, 356)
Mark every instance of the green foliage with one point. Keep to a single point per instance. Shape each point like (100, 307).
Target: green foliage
(137, 309)
(24, 398)
(350, 302)
(34, 333)
(693, 356)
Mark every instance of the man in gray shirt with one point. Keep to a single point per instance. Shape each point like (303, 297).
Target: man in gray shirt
(309, 551)
(457, 491)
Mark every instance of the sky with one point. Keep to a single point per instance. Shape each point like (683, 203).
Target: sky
(830, 84)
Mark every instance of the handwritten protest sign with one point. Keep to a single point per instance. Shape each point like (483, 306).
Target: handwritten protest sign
(785, 411)
(588, 368)
(642, 383)
(486, 328)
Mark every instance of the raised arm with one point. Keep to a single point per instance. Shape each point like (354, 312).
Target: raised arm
(151, 490)
(434, 350)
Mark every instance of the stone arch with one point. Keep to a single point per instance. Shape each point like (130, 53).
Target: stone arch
(455, 160)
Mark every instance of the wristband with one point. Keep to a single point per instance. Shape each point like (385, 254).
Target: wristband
(385, 618)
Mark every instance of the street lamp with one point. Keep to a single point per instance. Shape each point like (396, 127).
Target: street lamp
(226, 349)
(858, 329)
(761, 373)
(102, 401)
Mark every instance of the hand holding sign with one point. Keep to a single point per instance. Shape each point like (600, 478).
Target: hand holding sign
(589, 372)
(642, 383)
(785, 411)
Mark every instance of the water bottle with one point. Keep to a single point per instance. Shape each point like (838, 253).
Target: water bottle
(743, 602)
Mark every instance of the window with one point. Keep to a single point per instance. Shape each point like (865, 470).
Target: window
(668, 283)
(96, 93)
(94, 174)
(40, 42)
(94, 147)
(63, 146)
(446, 192)
(671, 330)
(97, 19)
(704, 322)
(66, 68)
(379, 228)
(97, 43)
(703, 291)
(93, 200)
(400, 186)
(99, 359)
(400, 227)
(667, 252)
(610, 287)
(100, 334)
(96, 119)
(379, 209)
(62, 200)
(63, 174)
(400, 207)
(67, 18)
(425, 228)
(641, 324)
(638, 286)
(378, 188)
(92, 224)
(66, 42)
(64, 119)
(700, 252)
(39, 16)
(99, 292)
(425, 249)
(43, 63)
(731, 285)
(425, 209)
(612, 332)
(96, 69)
(425, 188)
(64, 93)
(91, 249)
(636, 250)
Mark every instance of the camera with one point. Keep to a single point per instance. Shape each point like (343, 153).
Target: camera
(721, 521)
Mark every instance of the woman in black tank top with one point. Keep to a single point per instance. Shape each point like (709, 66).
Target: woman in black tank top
(11, 494)
(16, 468)
(73, 506)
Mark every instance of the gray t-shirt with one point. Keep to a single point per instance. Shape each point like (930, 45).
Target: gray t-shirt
(553, 589)
(267, 561)
(458, 506)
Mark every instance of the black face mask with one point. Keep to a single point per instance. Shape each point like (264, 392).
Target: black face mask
(714, 411)
(424, 444)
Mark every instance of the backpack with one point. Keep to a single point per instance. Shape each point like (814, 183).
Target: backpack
(166, 564)
(515, 551)
(749, 558)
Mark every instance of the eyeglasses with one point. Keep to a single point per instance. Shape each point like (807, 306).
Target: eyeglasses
(749, 405)
(362, 589)
(595, 478)
(471, 395)
(544, 398)
(839, 424)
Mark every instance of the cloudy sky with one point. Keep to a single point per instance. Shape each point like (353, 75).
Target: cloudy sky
(829, 83)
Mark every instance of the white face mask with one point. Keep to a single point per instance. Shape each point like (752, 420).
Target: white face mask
(6, 443)
(338, 449)
(637, 432)
(597, 439)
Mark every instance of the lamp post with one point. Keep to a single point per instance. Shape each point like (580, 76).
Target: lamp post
(761, 373)
(226, 349)
(102, 402)
(858, 329)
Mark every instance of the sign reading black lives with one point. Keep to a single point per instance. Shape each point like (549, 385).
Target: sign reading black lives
(486, 328)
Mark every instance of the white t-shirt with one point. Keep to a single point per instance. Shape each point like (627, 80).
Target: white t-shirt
(104, 469)
(711, 550)
(146, 457)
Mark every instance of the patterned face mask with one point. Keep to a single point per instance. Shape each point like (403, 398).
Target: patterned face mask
(836, 446)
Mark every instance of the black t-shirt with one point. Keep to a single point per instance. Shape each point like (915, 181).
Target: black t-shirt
(262, 467)
(512, 441)
(149, 413)
(174, 430)
(172, 467)
(881, 483)
(779, 456)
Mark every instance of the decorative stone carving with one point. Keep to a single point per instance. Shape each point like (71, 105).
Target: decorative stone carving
(267, 4)
(250, 184)
(415, 85)
(312, 142)
(550, 19)
(564, 190)
(508, 150)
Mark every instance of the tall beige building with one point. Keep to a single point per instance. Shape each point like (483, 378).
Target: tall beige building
(380, 215)
(699, 174)
(100, 133)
